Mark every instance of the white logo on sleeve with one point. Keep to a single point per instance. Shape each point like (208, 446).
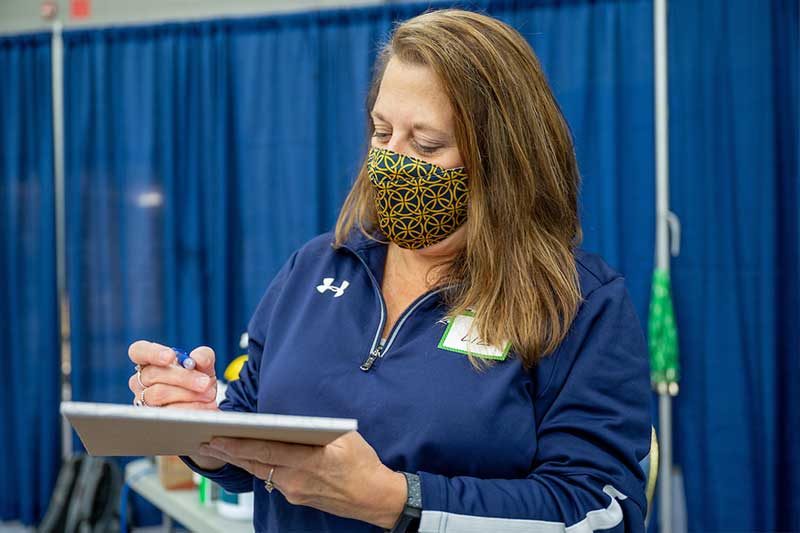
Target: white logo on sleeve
(327, 285)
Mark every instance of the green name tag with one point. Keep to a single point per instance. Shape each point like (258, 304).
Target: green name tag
(459, 338)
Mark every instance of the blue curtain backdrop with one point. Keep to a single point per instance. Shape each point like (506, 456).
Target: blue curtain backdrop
(29, 343)
(734, 167)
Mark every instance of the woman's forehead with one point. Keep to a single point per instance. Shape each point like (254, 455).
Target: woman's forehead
(412, 95)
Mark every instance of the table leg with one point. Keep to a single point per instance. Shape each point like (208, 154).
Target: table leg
(166, 524)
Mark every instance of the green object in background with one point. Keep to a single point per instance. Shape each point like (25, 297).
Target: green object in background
(205, 491)
(202, 490)
(663, 336)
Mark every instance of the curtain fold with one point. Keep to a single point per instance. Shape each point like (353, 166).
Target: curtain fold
(734, 181)
(29, 336)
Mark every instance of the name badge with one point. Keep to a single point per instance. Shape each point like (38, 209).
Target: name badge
(459, 338)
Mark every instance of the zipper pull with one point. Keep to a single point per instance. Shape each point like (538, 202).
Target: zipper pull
(373, 355)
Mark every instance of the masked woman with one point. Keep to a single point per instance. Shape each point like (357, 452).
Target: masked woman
(498, 372)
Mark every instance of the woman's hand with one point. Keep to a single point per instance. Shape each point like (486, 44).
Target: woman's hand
(168, 384)
(345, 478)
(163, 383)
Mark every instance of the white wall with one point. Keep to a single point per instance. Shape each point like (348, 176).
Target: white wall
(17, 16)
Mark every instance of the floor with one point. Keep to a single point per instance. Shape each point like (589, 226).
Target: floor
(16, 527)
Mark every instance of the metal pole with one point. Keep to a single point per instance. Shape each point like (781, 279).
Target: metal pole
(57, 57)
(662, 135)
(662, 246)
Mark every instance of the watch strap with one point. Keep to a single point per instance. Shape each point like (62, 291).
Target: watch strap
(414, 490)
(412, 511)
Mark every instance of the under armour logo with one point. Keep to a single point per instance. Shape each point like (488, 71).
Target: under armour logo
(327, 286)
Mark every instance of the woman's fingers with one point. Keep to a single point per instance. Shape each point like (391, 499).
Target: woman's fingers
(167, 383)
(150, 353)
(159, 394)
(178, 376)
(258, 469)
(204, 360)
(279, 453)
(197, 406)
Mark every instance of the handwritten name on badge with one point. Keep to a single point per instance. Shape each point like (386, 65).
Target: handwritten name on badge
(460, 338)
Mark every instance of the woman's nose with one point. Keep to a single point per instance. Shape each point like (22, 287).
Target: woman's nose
(396, 144)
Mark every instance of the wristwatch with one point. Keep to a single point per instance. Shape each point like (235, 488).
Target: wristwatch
(409, 519)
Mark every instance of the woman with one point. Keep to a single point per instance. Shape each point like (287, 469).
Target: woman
(498, 372)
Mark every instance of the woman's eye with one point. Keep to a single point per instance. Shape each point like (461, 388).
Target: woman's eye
(381, 135)
(427, 150)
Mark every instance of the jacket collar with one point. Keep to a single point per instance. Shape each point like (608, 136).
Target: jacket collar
(356, 241)
(371, 250)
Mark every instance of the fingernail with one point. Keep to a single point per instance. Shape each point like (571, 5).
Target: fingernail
(204, 448)
(202, 382)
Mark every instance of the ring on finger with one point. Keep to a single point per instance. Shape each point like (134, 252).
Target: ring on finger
(269, 485)
(141, 400)
(139, 379)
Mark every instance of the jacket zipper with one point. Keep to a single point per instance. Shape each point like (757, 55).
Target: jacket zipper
(376, 350)
(373, 356)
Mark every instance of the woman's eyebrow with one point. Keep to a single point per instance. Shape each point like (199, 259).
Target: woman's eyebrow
(421, 126)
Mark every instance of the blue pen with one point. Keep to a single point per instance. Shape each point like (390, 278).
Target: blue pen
(183, 359)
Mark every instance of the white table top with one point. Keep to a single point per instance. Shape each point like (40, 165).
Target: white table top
(181, 505)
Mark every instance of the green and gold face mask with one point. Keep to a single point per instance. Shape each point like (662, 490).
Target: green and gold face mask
(418, 203)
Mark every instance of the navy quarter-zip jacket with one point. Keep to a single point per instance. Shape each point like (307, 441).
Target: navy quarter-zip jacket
(553, 449)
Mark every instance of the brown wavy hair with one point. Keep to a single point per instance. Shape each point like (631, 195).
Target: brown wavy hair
(517, 270)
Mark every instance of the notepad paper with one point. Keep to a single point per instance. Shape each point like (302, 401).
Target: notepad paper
(113, 429)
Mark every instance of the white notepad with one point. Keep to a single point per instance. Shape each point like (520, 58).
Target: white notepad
(113, 429)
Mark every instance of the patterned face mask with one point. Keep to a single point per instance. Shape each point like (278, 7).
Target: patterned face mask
(418, 203)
